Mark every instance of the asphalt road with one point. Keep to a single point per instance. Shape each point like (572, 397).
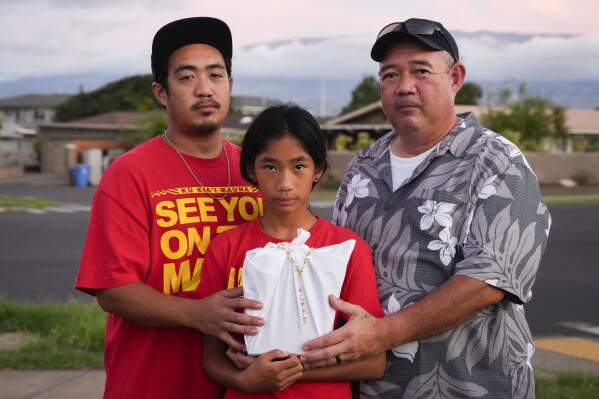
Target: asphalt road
(39, 257)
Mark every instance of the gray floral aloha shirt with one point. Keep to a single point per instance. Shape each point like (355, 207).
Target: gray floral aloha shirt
(472, 208)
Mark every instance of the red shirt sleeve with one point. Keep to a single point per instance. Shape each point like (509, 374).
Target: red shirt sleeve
(359, 287)
(213, 277)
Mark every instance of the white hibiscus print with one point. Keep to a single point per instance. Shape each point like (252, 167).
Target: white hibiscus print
(358, 187)
(435, 212)
(488, 188)
(406, 351)
(445, 246)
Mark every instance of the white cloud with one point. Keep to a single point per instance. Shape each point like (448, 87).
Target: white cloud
(49, 37)
(540, 58)
(487, 57)
(344, 57)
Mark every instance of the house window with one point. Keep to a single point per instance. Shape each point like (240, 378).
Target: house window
(39, 115)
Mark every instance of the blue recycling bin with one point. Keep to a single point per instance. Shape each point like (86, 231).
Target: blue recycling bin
(80, 174)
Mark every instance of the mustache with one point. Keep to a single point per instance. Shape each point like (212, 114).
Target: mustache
(210, 102)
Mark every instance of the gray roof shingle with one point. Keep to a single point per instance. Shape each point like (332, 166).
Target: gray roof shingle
(34, 101)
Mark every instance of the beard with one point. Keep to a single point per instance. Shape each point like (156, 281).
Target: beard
(206, 128)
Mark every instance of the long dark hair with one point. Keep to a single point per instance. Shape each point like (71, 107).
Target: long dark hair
(277, 121)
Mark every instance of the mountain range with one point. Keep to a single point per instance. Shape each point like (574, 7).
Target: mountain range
(320, 73)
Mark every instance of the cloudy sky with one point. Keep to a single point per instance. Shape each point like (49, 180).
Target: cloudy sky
(50, 37)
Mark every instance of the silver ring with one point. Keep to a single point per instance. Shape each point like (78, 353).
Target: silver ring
(338, 359)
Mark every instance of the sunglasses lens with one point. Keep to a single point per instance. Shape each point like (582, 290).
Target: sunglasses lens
(419, 27)
(413, 26)
(389, 28)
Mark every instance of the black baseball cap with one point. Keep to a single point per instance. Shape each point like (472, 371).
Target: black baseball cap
(430, 33)
(196, 30)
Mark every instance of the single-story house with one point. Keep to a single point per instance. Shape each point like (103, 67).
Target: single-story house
(31, 108)
(370, 118)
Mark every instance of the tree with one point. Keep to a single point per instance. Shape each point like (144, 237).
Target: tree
(533, 123)
(152, 125)
(133, 94)
(469, 94)
(363, 140)
(366, 92)
(129, 94)
(344, 142)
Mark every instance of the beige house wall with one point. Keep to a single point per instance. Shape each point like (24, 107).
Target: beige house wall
(549, 168)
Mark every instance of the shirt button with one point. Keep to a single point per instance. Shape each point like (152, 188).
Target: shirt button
(386, 206)
(375, 246)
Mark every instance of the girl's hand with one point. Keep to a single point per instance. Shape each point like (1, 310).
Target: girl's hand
(241, 359)
(271, 371)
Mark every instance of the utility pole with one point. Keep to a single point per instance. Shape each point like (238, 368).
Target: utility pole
(322, 97)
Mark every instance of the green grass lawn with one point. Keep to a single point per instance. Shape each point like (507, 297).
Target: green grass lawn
(568, 386)
(7, 201)
(570, 195)
(55, 336)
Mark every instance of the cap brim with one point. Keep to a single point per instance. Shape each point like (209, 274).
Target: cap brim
(382, 44)
(196, 30)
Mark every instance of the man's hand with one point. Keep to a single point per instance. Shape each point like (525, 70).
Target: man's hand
(361, 337)
(216, 315)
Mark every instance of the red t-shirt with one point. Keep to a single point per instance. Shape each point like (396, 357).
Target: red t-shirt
(151, 222)
(224, 261)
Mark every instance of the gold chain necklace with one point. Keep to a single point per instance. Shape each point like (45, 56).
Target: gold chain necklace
(300, 281)
(168, 140)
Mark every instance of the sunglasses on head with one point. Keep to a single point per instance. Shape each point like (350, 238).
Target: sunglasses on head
(421, 27)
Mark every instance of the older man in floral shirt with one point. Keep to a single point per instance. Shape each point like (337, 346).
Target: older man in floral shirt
(457, 226)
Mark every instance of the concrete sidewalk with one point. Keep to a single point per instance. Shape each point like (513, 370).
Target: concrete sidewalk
(89, 384)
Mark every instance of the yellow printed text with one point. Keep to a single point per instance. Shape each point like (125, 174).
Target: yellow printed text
(232, 280)
(176, 244)
(202, 209)
(183, 280)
